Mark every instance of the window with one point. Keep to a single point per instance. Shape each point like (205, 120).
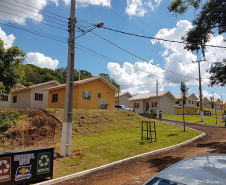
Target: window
(99, 95)
(136, 105)
(189, 101)
(153, 104)
(177, 102)
(86, 95)
(38, 97)
(14, 99)
(184, 102)
(55, 98)
(4, 98)
(192, 102)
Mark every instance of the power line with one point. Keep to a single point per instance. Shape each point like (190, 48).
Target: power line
(34, 32)
(138, 56)
(32, 16)
(166, 40)
(40, 9)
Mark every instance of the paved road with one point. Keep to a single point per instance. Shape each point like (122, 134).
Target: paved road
(138, 171)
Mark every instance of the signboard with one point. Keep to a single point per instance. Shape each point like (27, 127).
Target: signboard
(21, 166)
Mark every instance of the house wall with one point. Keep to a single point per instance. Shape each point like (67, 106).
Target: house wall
(123, 100)
(191, 98)
(5, 104)
(95, 87)
(36, 103)
(140, 109)
(23, 99)
(166, 104)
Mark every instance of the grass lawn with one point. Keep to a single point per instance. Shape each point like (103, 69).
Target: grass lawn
(101, 137)
(196, 119)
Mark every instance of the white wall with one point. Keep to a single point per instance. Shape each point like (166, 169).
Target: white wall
(23, 99)
(5, 104)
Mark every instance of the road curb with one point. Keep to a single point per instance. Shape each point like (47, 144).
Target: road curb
(79, 174)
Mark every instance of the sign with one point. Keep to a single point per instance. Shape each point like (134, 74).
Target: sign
(5, 169)
(43, 163)
(23, 172)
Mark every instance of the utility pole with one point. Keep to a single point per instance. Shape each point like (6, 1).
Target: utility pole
(65, 149)
(157, 95)
(200, 91)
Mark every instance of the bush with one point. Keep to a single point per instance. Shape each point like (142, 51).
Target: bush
(7, 119)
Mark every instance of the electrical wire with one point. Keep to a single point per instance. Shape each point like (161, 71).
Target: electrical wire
(39, 9)
(32, 16)
(166, 40)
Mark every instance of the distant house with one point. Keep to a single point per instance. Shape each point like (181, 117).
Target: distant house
(143, 102)
(5, 99)
(91, 93)
(190, 101)
(31, 97)
(122, 99)
(211, 104)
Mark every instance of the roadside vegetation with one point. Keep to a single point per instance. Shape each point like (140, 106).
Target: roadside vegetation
(99, 136)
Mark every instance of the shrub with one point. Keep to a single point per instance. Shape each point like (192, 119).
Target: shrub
(7, 119)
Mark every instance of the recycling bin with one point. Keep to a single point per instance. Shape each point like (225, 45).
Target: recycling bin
(27, 165)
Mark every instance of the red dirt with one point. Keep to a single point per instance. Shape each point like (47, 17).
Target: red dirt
(138, 171)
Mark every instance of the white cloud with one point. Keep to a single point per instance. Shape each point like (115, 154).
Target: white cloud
(8, 39)
(41, 60)
(141, 7)
(106, 3)
(18, 12)
(138, 78)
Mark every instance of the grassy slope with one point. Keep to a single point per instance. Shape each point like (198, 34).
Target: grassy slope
(196, 119)
(102, 136)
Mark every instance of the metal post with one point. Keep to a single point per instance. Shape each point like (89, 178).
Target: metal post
(157, 94)
(65, 149)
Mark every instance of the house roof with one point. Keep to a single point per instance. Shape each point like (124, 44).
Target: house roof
(85, 81)
(122, 93)
(180, 97)
(150, 95)
(36, 85)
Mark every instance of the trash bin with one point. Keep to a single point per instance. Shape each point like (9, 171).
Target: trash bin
(27, 165)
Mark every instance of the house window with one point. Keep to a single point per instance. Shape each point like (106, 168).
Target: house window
(189, 101)
(184, 102)
(55, 98)
(192, 102)
(99, 95)
(86, 95)
(136, 105)
(153, 104)
(4, 98)
(38, 97)
(177, 102)
(14, 99)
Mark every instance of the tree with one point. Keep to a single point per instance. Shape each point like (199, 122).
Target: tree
(83, 75)
(184, 91)
(211, 17)
(10, 69)
(113, 82)
(218, 73)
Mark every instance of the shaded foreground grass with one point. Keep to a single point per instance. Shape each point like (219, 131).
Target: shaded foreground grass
(196, 119)
(103, 136)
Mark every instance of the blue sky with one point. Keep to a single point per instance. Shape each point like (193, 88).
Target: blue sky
(151, 60)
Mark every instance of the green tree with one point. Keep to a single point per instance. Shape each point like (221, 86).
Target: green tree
(218, 73)
(10, 70)
(184, 92)
(83, 75)
(113, 82)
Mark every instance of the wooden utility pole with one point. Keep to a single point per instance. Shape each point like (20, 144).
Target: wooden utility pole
(200, 91)
(157, 95)
(65, 149)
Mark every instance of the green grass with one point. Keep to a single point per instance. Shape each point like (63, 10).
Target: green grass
(101, 137)
(196, 119)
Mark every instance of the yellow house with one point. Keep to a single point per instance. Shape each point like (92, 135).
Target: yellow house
(91, 93)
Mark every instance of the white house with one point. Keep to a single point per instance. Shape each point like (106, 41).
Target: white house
(32, 97)
(190, 101)
(143, 102)
(122, 99)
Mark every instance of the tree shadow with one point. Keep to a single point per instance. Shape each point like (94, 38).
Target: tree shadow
(162, 163)
(217, 147)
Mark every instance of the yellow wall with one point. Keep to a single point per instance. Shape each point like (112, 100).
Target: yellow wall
(95, 87)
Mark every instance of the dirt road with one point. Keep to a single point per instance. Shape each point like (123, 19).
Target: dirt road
(136, 172)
